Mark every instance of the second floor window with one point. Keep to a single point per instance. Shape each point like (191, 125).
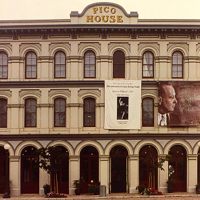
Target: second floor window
(118, 65)
(147, 112)
(31, 65)
(59, 112)
(177, 65)
(3, 65)
(148, 65)
(60, 65)
(89, 112)
(89, 65)
(3, 113)
(30, 112)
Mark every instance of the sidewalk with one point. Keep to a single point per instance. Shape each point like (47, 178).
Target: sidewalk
(118, 196)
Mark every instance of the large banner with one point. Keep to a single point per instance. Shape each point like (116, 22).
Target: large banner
(122, 104)
(179, 103)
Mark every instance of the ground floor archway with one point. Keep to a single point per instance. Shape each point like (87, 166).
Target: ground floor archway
(2, 168)
(29, 171)
(178, 163)
(118, 157)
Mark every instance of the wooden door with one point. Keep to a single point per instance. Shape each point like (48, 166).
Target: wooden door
(2, 168)
(29, 171)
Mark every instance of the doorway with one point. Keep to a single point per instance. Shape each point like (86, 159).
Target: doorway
(148, 174)
(179, 164)
(2, 168)
(89, 167)
(119, 169)
(29, 171)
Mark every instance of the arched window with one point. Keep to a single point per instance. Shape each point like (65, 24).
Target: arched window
(118, 65)
(89, 65)
(59, 112)
(148, 65)
(3, 113)
(177, 65)
(147, 112)
(60, 65)
(3, 65)
(31, 65)
(89, 112)
(30, 112)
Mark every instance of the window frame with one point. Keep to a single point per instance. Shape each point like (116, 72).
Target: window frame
(2, 66)
(176, 65)
(146, 77)
(119, 68)
(55, 67)
(92, 123)
(32, 66)
(153, 119)
(26, 113)
(55, 100)
(2, 125)
(90, 65)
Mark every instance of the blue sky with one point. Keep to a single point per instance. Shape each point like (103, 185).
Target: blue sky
(61, 9)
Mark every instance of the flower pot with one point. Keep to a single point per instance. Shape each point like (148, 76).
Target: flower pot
(170, 188)
(77, 191)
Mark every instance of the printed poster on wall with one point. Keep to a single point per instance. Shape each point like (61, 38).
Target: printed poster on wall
(178, 103)
(122, 104)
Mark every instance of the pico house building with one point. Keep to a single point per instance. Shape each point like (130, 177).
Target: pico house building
(111, 90)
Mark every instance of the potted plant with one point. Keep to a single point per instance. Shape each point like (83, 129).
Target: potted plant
(170, 185)
(46, 188)
(140, 188)
(93, 189)
(77, 184)
(198, 188)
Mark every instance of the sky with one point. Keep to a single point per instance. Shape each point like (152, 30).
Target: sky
(61, 9)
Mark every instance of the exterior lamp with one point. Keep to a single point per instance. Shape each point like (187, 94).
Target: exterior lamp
(7, 186)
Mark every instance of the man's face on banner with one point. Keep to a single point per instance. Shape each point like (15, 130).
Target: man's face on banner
(168, 100)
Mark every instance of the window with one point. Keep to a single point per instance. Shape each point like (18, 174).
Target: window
(147, 112)
(177, 65)
(89, 112)
(3, 65)
(118, 65)
(30, 112)
(148, 65)
(31, 65)
(59, 112)
(60, 65)
(3, 113)
(89, 65)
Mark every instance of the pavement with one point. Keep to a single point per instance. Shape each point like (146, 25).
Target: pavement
(117, 196)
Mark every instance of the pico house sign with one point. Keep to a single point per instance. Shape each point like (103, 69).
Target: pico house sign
(103, 13)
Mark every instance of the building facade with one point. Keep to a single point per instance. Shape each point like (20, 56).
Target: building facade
(55, 80)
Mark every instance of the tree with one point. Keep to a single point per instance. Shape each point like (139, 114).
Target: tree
(51, 159)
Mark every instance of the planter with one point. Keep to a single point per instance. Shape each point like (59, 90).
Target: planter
(77, 191)
(170, 189)
(197, 189)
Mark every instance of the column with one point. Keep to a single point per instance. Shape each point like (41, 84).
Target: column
(163, 177)
(192, 173)
(104, 172)
(133, 173)
(44, 178)
(15, 175)
(74, 172)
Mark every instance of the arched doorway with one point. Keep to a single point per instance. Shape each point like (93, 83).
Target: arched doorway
(198, 167)
(148, 174)
(89, 167)
(118, 156)
(179, 164)
(63, 174)
(2, 168)
(29, 171)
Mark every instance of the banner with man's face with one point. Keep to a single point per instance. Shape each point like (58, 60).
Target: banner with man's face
(178, 103)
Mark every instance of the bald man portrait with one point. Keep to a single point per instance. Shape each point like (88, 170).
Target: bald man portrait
(166, 105)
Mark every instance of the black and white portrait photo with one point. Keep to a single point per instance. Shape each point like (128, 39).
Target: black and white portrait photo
(122, 108)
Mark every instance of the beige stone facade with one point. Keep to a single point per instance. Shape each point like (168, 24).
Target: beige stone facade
(102, 28)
